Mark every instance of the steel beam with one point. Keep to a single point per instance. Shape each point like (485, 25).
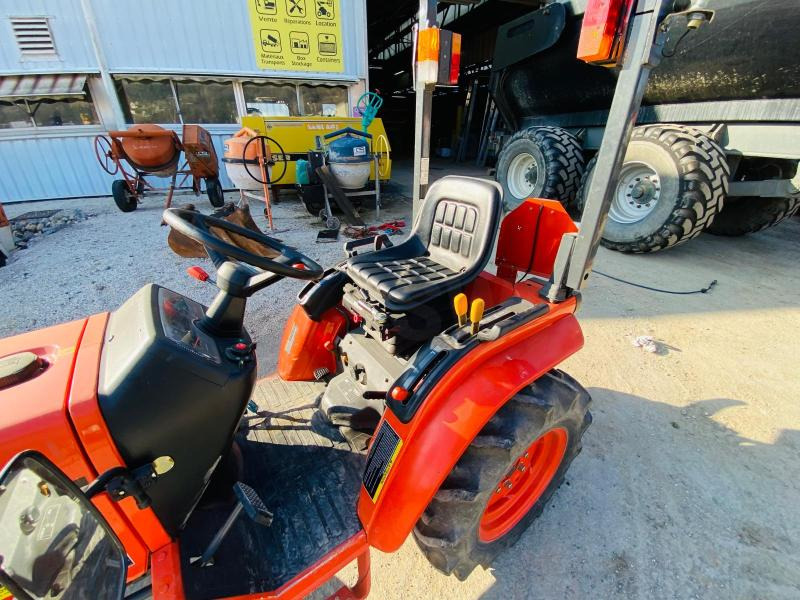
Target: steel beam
(422, 115)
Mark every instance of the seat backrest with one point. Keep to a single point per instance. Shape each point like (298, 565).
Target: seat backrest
(459, 221)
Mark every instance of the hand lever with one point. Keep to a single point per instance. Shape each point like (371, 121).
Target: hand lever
(476, 314)
(460, 305)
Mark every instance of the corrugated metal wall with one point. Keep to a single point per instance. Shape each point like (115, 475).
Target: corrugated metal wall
(65, 166)
(69, 32)
(203, 36)
(136, 36)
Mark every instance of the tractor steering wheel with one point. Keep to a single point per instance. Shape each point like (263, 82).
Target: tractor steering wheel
(196, 226)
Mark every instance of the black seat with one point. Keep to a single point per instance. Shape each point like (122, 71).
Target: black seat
(449, 246)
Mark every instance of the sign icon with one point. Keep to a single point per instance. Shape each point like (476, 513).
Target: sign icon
(266, 7)
(296, 8)
(324, 9)
(327, 44)
(270, 40)
(299, 42)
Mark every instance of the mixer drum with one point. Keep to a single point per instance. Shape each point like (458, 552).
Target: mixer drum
(156, 155)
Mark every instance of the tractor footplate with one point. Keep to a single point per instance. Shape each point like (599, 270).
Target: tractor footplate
(307, 475)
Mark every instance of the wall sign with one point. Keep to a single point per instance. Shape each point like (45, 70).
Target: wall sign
(297, 35)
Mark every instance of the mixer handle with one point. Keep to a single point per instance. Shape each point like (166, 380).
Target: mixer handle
(346, 130)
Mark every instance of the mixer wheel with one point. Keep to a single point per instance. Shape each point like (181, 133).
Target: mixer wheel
(214, 190)
(123, 198)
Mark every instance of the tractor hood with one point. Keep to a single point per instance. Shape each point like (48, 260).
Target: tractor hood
(33, 395)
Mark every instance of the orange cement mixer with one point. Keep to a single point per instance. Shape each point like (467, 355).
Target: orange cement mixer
(151, 150)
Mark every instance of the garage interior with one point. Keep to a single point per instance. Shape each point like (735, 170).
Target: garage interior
(462, 114)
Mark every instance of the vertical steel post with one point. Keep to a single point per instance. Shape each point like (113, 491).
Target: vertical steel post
(643, 52)
(422, 116)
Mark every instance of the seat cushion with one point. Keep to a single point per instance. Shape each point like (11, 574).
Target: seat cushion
(401, 282)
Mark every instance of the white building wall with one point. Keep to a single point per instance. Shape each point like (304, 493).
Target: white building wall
(199, 37)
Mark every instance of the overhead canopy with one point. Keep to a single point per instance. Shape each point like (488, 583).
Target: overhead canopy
(34, 87)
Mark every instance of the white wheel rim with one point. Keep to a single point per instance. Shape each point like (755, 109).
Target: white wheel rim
(637, 194)
(523, 174)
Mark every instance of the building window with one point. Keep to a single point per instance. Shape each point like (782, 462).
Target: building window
(34, 38)
(147, 101)
(207, 102)
(48, 112)
(324, 100)
(271, 99)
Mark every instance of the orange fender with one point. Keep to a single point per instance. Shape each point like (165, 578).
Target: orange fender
(454, 413)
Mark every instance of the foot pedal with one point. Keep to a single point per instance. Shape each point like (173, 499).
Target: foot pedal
(248, 501)
(252, 503)
(321, 373)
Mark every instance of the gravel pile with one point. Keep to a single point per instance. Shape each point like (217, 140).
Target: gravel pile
(95, 265)
(31, 224)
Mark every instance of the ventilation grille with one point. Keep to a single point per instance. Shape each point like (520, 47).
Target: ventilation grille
(34, 38)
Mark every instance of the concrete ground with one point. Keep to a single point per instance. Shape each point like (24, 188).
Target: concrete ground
(687, 486)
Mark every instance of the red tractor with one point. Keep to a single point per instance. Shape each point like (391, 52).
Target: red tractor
(145, 454)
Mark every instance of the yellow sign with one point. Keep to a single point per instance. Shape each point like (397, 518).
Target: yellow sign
(297, 35)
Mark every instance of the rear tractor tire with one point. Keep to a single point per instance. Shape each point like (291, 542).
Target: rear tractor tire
(743, 215)
(540, 162)
(671, 187)
(123, 198)
(506, 476)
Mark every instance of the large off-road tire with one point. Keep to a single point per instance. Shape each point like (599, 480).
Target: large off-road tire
(540, 162)
(525, 449)
(671, 187)
(743, 215)
(124, 200)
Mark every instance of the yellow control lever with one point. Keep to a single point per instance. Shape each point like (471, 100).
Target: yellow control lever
(460, 304)
(476, 314)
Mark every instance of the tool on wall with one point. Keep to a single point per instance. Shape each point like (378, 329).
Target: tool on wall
(150, 150)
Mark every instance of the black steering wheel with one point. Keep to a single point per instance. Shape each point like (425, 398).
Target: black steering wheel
(196, 226)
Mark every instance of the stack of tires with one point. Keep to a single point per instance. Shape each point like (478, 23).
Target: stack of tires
(672, 186)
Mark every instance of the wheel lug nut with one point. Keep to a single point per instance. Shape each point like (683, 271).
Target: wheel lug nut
(521, 468)
(508, 484)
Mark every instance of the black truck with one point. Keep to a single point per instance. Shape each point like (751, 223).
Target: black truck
(717, 140)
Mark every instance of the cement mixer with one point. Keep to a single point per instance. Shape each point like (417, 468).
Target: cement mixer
(251, 165)
(150, 150)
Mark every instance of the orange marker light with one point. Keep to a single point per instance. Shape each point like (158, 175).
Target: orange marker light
(603, 31)
(428, 55)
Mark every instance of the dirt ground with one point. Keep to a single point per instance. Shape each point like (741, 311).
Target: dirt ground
(687, 486)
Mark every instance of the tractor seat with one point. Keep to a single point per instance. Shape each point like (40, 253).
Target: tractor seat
(449, 246)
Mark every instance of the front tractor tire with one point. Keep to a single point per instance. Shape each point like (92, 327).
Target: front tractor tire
(506, 476)
(671, 187)
(540, 162)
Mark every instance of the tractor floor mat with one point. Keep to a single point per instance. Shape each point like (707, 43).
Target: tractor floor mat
(306, 474)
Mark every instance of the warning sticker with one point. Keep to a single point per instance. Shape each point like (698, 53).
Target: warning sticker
(381, 457)
(297, 35)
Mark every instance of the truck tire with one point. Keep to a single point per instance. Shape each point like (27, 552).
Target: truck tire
(744, 214)
(671, 187)
(122, 196)
(540, 162)
(506, 476)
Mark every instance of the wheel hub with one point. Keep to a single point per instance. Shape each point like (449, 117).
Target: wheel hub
(523, 175)
(522, 486)
(637, 194)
